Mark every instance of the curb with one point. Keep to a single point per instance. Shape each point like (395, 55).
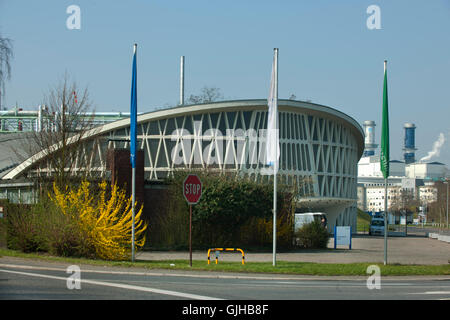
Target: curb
(440, 237)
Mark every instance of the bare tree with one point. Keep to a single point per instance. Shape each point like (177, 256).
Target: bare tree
(404, 202)
(207, 95)
(67, 117)
(437, 209)
(6, 55)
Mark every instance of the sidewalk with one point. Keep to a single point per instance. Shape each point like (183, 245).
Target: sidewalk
(410, 250)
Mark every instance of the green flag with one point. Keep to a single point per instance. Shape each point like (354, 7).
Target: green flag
(384, 158)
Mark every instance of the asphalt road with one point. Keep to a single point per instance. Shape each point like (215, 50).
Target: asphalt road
(21, 279)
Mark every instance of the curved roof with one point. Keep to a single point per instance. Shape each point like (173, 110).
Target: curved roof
(255, 104)
(14, 148)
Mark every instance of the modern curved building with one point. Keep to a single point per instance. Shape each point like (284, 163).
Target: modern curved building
(320, 149)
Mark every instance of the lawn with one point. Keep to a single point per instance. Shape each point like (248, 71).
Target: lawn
(283, 267)
(362, 221)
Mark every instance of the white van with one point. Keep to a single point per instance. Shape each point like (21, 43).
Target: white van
(300, 219)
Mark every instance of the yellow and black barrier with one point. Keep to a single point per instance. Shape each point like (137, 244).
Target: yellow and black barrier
(225, 249)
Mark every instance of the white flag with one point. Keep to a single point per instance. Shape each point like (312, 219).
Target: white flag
(273, 141)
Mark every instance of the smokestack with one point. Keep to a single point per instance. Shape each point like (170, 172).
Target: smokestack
(410, 144)
(369, 141)
(182, 80)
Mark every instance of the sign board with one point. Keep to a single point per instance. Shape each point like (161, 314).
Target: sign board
(192, 192)
(343, 236)
(403, 220)
(192, 189)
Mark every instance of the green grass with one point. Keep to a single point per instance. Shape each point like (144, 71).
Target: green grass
(283, 267)
(362, 221)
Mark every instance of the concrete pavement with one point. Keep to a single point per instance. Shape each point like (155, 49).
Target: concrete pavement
(402, 250)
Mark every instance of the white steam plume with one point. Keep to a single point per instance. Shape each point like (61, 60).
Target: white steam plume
(436, 148)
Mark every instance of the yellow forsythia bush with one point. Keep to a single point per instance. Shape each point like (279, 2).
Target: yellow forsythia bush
(107, 223)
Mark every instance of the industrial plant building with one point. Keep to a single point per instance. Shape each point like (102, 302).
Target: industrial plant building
(416, 178)
(320, 149)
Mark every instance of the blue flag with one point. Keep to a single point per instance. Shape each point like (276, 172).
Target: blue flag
(133, 112)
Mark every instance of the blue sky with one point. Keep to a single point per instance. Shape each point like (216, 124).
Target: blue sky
(327, 55)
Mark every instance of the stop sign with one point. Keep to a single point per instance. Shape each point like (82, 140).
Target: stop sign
(192, 189)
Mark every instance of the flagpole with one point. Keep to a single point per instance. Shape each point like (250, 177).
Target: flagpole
(385, 157)
(133, 186)
(385, 221)
(275, 167)
(133, 199)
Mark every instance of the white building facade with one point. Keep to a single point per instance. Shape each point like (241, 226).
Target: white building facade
(415, 179)
(320, 148)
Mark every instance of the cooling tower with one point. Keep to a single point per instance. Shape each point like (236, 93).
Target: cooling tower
(410, 143)
(369, 140)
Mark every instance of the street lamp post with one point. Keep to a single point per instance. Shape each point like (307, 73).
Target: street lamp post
(446, 182)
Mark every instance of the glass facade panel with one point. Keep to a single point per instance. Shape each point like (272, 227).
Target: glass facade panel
(316, 152)
(153, 128)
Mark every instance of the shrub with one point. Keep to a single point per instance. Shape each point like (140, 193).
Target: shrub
(65, 238)
(42, 227)
(105, 224)
(25, 229)
(84, 221)
(232, 211)
(226, 205)
(312, 236)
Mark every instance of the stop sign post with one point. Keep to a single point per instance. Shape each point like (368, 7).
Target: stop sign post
(192, 191)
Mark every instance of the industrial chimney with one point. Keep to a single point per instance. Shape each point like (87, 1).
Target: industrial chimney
(410, 143)
(182, 81)
(369, 142)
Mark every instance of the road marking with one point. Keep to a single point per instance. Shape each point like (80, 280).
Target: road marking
(433, 292)
(437, 292)
(355, 283)
(171, 274)
(121, 286)
(270, 279)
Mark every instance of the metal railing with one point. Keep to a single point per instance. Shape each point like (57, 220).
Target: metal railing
(217, 250)
(18, 120)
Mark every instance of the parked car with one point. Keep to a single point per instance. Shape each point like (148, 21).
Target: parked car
(376, 226)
